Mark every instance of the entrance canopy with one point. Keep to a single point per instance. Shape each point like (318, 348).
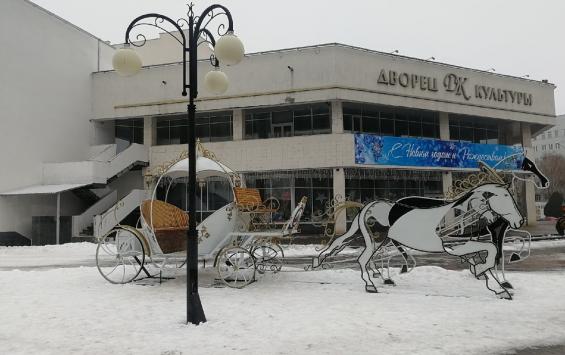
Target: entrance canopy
(42, 189)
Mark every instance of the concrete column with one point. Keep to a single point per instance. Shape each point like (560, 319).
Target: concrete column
(337, 117)
(446, 180)
(339, 189)
(446, 177)
(529, 189)
(103, 132)
(149, 139)
(58, 221)
(238, 125)
(149, 131)
(444, 126)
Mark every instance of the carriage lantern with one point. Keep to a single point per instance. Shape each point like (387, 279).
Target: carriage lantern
(228, 50)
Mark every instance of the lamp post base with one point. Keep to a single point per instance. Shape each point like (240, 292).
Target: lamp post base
(195, 312)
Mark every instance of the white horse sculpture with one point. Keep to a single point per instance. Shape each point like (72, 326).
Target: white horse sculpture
(414, 222)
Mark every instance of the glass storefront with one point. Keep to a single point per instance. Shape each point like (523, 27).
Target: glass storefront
(288, 121)
(365, 185)
(290, 186)
(210, 127)
(389, 121)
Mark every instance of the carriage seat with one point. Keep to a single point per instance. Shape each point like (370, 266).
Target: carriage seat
(168, 223)
(249, 200)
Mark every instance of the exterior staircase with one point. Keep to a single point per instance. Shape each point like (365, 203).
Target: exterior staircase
(83, 224)
(123, 208)
(95, 171)
(103, 166)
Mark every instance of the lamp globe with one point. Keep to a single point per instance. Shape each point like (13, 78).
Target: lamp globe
(229, 49)
(126, 62)
(216, 81)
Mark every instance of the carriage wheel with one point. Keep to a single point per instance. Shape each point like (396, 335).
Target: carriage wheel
(268, 257)
(236, 267)
(120, 256)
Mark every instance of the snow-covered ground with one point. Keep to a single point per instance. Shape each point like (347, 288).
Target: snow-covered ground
(73, 310)
(49, 255)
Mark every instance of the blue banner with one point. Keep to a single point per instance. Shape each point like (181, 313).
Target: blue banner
(418, 152)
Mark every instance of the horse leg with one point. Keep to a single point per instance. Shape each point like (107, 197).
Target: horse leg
(501, 233)
(500, 291)
(474, 247)
(337, 245)
(364, 261)
(497, 231)
(379, 271)
(404, 256)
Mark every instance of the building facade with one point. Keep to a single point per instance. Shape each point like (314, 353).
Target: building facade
(550, 141)
(290, 118)
(293, 122)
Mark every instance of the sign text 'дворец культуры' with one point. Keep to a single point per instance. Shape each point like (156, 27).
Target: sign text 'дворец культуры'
(454, 84)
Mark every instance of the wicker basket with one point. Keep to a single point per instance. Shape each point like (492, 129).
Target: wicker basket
(169, 224)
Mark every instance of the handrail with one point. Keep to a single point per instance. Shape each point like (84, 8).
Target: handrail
(115, 214)
(86, 218)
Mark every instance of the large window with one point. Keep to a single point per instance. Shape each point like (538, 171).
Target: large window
(390, 121)
(287, 121)
(279, 187)
(365, 185)
(290, 187)
(127, 132)
(318, 190)
(210, 127)
(473, 129)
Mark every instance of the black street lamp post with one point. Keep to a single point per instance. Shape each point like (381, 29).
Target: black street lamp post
(228, 50)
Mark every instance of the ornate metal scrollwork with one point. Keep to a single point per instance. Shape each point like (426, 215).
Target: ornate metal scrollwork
(328, 218)
(203, 234)
(484, 176)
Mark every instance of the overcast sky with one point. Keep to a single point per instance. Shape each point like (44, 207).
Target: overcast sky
(515, 37)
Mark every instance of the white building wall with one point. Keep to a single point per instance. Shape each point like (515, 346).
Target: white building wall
(550, 141)
(163, 49)
(301, 152)
(321, 73)
(45, 96)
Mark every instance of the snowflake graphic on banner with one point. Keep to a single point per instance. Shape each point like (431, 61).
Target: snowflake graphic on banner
(368, 148)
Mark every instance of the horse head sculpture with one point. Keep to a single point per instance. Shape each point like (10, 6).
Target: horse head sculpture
(528, 165)
(501, 202)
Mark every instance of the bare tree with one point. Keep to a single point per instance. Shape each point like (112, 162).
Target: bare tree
(553, 167)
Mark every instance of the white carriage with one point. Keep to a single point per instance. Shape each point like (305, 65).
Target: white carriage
(239, 238)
